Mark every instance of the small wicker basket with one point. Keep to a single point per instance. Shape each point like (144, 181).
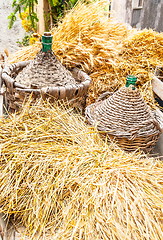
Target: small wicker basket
(43, 77)
(126, 118)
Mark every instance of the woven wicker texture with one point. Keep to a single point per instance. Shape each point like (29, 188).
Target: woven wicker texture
(45, 70)
(127, 118)
(44, 77)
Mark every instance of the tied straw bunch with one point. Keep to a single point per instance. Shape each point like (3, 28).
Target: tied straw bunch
(108, 51)
(61, 181)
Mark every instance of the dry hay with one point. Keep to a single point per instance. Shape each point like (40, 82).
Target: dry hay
(59, 179)
(139, 55)
(81, 37)
(106, 50)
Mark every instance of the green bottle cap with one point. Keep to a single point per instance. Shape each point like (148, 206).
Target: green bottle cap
(47, 42)
(131, 80)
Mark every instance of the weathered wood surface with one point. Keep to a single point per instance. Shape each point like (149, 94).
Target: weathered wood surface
(1, 96)
(42, 12)
(159, 116)
(157, 86)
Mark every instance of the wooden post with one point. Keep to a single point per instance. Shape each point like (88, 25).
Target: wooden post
(157, 86)
(42, 11)
(1, 96)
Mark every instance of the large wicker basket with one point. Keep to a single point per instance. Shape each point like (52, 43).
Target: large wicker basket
(73, 87)
(126, 118)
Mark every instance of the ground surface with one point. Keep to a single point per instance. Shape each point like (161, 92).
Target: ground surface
(8, 38)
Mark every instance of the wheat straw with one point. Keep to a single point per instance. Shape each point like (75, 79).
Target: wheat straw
(61, 181)
(106, 50)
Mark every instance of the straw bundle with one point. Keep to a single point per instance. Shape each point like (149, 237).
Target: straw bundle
(139, 56)
(81, 37)
(106, 50)
(59, 179)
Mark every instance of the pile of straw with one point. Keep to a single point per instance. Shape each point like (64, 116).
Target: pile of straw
(80, 38)
(106, 50)
(59, 179)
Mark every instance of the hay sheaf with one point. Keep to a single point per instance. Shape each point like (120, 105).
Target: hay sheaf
(60, 180)
(106, 50)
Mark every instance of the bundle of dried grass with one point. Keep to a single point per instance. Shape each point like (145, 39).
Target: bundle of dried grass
(59, 179)
(81, 37)
(140, 54)
(106, 50)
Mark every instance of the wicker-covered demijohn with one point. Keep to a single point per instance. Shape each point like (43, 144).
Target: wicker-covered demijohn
(44, 77)
(126, 118)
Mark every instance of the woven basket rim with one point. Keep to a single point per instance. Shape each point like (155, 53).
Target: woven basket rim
(101, 114)
(11, 84)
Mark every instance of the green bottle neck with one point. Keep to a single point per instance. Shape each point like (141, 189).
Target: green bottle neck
(131, 80)
(47, 42)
